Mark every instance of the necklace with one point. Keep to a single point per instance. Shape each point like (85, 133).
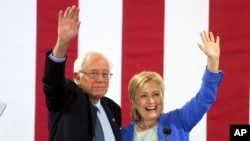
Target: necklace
(145, 127)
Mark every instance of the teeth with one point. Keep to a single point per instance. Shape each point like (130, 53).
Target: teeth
(151, 108)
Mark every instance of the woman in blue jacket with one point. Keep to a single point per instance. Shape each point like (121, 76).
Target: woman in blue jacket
(146, 92)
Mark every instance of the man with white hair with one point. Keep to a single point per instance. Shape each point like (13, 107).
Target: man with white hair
(78, 110)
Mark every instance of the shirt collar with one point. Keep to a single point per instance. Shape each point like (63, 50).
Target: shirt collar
(98, 105)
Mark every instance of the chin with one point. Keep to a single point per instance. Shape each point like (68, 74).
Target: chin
(99, 95)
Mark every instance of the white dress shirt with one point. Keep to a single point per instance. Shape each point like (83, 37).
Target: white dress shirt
(106, 127)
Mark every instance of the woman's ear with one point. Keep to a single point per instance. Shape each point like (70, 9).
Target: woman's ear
(132, 103)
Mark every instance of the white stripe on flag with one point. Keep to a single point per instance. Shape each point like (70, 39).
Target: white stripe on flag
(101, 25)
(184, 62)
(17, 59)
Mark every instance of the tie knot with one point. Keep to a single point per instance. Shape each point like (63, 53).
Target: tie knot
(97, 109)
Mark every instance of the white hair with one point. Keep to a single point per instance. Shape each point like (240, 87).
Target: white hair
(81, 59)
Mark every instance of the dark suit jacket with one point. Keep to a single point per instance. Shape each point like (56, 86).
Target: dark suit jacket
(71, 115)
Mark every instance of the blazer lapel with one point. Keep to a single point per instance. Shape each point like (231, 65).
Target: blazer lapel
(112, 119)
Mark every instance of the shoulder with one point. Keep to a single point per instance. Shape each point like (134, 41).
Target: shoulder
(172, 117)
(109, 102)
(128, 130)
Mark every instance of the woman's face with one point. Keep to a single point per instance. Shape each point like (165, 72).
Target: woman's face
(149, 101)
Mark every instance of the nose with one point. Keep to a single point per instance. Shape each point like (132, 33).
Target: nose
(151, 99)
(100, 78)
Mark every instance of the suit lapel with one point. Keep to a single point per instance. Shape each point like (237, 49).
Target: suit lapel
(112, 118)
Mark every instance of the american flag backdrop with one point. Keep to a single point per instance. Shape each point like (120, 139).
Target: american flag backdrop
(136, 35)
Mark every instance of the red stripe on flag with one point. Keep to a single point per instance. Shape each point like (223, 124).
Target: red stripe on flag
(142, 43)
(230, 20)
(47, 19)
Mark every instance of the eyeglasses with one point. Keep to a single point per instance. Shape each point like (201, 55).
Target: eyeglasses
(96, 74)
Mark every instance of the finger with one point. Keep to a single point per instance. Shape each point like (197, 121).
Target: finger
(60, 15)
(66, 13)
(201, 47)
(211, 36)
(72, 11)
(77, 27)
(76, 14)
(202, 37)
(206, 36)
(217, 40)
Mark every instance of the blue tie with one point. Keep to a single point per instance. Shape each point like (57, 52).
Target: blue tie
(99, 135)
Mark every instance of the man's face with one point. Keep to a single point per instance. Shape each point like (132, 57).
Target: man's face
(95, 77)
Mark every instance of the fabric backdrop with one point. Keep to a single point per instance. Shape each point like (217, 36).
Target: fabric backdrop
(136, 35)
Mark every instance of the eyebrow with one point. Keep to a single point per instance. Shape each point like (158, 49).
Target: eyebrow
(98, 70)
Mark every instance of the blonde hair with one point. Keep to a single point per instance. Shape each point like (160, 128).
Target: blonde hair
(135, 85)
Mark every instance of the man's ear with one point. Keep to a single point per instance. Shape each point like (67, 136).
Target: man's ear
(76, 77)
